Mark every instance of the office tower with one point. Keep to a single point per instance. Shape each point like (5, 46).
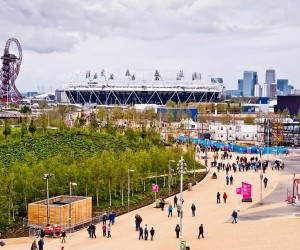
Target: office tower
(282, 85)
(257, 90)
(270, 78)
(273, 89)
(240, 84)
(264, 90)
(249, 81)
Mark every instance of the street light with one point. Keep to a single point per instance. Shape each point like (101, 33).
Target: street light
(195, 165)
(72, 184)
(129, 171)
(181, 168)
(206, 153)
(261, 173)
(47, 177)
(169, 176)
(70, 208)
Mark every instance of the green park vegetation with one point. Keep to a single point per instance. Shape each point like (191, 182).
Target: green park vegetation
(96, 159)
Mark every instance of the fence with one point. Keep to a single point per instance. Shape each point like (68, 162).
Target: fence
(35, 231)
(237, 148)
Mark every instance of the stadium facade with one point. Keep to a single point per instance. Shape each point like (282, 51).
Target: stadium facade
(130, 91)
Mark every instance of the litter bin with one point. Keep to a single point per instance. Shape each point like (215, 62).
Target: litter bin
(190, 185)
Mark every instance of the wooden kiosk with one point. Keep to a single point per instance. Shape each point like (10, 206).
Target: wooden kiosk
(61, 209)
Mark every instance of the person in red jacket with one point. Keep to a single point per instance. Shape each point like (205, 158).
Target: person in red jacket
(224, 197)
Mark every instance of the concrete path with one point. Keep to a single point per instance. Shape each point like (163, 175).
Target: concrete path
(272, 225)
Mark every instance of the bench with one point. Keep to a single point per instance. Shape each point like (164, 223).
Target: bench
(158, 205)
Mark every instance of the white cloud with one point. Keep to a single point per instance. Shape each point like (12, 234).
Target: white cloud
(223, 37)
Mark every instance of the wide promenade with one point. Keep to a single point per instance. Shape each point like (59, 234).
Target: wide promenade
(272, 225)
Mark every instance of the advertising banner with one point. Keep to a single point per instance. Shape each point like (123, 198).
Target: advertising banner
(239, 190)
(246, 190)
(154, 188)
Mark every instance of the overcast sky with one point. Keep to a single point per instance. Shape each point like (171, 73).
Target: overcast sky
(217, 37)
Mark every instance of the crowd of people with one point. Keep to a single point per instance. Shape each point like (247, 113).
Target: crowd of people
(226, 164)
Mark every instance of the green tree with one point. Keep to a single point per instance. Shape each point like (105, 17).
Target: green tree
(25, 109)
(42, 121)
(7, 129)
(298, 115)
(32, 127)
(101, 113)
(249, 120)
(24, 129)
(171, 104)
(93, 126)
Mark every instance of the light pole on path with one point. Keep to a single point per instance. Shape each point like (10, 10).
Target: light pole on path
(129, 171)
(169, 176)
(181, 168)
(206, 153)
(47, 177)
(70, 211)
(261, 173)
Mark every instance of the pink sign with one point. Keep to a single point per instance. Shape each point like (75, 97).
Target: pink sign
(239, 190)
(246, 189)
(154, 188)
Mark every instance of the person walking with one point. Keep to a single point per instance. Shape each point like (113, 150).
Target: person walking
(41, 244)
(234, 216)
(201, 231)
(178, 210)
(177, 230)
(224, 197)
(266, 181)
(104, 218)
(108, 230)
(63, 236)
(175, 201)
(146, 232)
(231, 180)
(152, 232)
(218, 198)
(170, 209)
(34, 245)
(162, 203)
(193, 208)
(104, 230)
(89, 229)
(111, 218)
(227, 180)
(141, 232)
(93, 231)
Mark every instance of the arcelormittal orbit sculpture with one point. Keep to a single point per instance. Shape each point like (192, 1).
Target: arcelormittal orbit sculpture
(9, 72)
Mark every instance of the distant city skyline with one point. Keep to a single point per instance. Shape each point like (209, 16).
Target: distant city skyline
(216, 37)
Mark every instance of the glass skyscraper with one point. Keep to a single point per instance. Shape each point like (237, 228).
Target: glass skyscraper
(282, 85)
(249, 81)
(240, 84)
(270, 78)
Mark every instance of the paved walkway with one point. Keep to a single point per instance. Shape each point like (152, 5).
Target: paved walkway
(273, 225)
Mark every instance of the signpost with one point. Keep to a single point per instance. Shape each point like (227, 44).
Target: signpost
(246, 191)
(155, 190)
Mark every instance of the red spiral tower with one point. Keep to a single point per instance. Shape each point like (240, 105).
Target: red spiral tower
(9, 73)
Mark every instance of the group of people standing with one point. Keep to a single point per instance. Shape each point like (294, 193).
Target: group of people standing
(143, 232)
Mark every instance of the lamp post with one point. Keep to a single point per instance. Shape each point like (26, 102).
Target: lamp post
(169, 176)
(181, 168)
(261, 173)
(129, 171)
(206, 153)
(47, 177)
(70, 207)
